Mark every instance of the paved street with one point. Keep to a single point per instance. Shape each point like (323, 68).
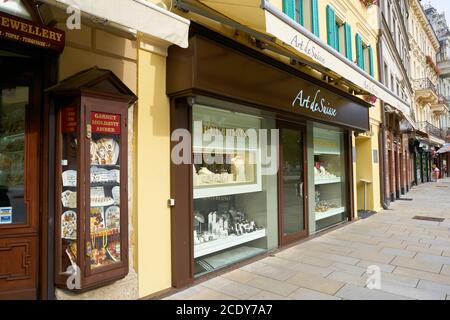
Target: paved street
(413, 256)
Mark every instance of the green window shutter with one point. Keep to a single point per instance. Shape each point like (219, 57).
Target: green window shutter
(371, 71)
(289, 8)
(336, 34)
(359, 52)
(315, 17)
(331, 26)
(348, 42)
(300, 16)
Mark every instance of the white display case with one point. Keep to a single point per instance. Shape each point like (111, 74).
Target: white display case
(213, 246)
(329, 174)
(227, 156)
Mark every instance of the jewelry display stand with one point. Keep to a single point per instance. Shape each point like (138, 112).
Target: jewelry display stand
(91, 175)
(328, 174)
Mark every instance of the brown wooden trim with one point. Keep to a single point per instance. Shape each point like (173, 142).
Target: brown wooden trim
(282, 239)
(91, 278)
(181, 213)
(348, 145)
(254, 79)
(27, 72)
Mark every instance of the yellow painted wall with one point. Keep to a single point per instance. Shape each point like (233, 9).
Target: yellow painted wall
(149, 186)
(365, 22)
(152, 119)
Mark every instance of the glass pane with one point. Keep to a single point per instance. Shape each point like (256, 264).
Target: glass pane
(293, 181)
(235, 205)
(105, 244)
(69, 165)
(13, 105)
(329, 177)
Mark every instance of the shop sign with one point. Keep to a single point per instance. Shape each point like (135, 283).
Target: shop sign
(315, 104)
(105, 123)
(243, 77)
(28, 32)
(5, 215)
(68, 119)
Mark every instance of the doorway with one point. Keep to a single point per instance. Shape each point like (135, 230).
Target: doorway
(20, 87)
(293, 221)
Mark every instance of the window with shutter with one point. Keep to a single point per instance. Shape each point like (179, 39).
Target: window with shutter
(315, 17)
(371, 71)
(359, 51)
(364, 56)
(289, 8)
(300, 17)
(331, 26)
(348, 42)
(304, 12)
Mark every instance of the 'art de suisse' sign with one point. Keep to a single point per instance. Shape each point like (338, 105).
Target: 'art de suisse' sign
(231, 73)
(28, 32)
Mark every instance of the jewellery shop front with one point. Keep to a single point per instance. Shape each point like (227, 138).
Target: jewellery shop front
(246, 113)
(29, 51)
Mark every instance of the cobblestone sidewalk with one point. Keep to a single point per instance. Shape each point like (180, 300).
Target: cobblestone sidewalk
(413, 256)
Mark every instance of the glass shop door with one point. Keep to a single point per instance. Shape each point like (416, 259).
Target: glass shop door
(292, 184)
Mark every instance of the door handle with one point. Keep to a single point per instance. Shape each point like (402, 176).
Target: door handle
(299, 188)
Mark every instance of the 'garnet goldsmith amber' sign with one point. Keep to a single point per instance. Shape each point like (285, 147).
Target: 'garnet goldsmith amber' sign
(105, 123)
(21, 30)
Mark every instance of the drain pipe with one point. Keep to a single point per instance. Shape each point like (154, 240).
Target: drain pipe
(382, 134)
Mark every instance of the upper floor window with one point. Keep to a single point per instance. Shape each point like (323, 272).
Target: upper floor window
(364, 55)
(304, 12)
(386, 75)
(339, 34)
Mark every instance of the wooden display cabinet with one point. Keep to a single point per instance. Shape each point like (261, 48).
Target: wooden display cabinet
(91, 209)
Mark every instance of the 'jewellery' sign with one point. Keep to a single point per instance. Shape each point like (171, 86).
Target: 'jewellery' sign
(315, 104)
(21, 30)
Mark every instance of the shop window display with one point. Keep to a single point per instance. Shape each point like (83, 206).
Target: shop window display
(13, 105)
(231, 219)
(105, 194)
(97, 204)
(91, 212)
(329, 177)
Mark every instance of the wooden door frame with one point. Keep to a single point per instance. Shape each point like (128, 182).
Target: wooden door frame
(286, 240)
(46, 76)
(31, 230)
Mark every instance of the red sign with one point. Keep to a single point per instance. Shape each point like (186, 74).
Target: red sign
(18, 29)
(105, 123)
(69, 119)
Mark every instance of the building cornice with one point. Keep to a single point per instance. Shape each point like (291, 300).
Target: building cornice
(402, 23)
(361, 20)
(426, 25)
